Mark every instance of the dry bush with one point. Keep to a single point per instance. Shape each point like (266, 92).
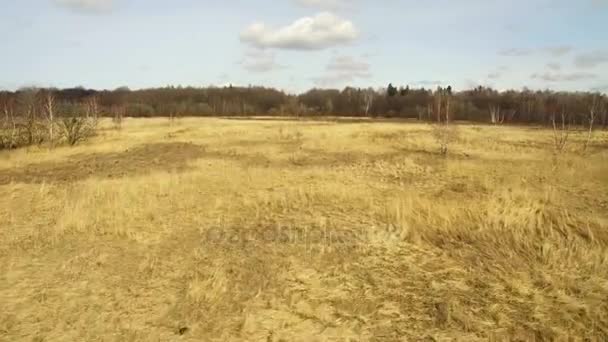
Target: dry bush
(76, 129)
(76, 125)
(9, 132)
(18, 132)
(31, 118)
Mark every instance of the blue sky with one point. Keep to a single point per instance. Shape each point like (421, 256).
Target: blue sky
(298, 44)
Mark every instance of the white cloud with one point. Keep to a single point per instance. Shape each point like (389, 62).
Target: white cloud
(90, 6)
(591, 59)
(556, 51)
(601, 88)
(333, 79)
(558, 77)
(494, 75)
(559, 50)
(350, 65)
(515, 52)
(256, 60)
(554, 66)
(322, 31)
(343, 69)
(498, 72)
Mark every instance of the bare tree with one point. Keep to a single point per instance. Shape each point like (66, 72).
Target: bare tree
(91, 105)
(172, 114)
(9, 133)
(561, 130)
(118, 112)
(593, 109)
(508, 115)
(368, 97)
(496, 115)
(443, 132)
(49, 109)
(603, 112)
(420, 111)
(438, 103)
(29, 108)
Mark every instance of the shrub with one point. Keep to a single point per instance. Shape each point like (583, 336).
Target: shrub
(77, 128)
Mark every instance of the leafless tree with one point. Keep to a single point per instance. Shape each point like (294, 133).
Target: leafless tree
(49, 110)
(561, 130)
(118, 113)
(593, 109)
(172, 116)
(29, 108)
(368, 97)
(420, 111)
(9, 133)
(293, 108)
(443, 132)
(496, 115)
(174, 112)
(91, 107)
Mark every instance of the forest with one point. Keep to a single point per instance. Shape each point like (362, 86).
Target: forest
(29, 115)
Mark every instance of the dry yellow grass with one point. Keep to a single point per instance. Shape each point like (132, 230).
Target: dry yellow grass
(269, 230)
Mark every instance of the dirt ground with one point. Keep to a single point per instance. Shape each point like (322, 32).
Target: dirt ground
(281, 230)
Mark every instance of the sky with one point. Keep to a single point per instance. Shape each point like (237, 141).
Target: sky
(295, 45)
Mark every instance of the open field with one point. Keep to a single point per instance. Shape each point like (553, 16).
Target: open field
(270, 230)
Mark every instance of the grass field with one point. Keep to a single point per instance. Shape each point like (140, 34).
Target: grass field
(270, 230)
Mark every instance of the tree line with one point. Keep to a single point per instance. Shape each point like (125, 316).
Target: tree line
(31, 108)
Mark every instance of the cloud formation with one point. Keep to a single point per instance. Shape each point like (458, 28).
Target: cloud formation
(559, 77)
(498, 72)
(513, 52)
(86, 6)
(494, 75)
(322, 31)
(600, 88)
(554, 66)
(556, 51)
(343, 69)
(591, 59)
(260, 61)
(350, 65)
